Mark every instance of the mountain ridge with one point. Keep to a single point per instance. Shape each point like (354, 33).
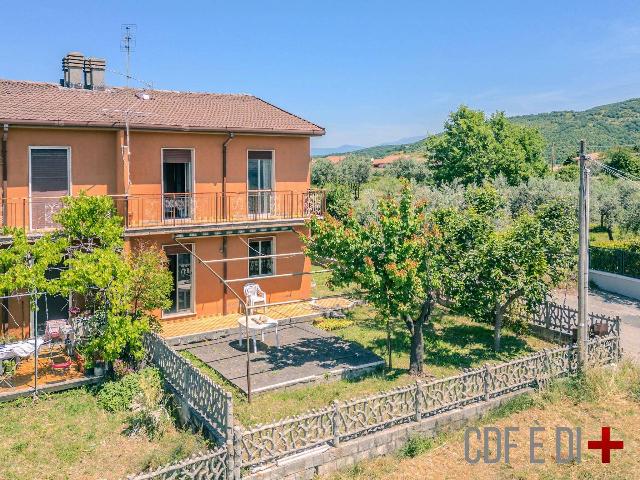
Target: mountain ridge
(602, 126)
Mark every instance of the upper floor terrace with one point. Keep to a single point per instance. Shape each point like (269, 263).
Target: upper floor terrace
(149, 213)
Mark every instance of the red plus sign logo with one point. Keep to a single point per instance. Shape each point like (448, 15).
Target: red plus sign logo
(605, 444)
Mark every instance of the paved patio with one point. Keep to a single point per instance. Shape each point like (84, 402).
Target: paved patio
(306, 354)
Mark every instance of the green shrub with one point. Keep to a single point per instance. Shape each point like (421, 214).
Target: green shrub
(148, 410)
(417, 446)
(118, 395)
(331, 324)
(568, 173)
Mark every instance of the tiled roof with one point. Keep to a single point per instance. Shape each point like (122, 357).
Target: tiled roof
(39, 103)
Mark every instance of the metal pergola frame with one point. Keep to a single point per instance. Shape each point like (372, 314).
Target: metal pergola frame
(244, 309)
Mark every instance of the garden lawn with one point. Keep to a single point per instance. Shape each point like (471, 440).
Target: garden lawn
(609, 396)
(456, 343)
(68, 436)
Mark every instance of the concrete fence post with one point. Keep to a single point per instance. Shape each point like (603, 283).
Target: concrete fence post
(547, 316)
(335, 422)
(236, 452)
(229, 436)
(417, 399)
(486, 377)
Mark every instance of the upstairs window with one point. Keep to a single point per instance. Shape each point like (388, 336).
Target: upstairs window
(48, 181)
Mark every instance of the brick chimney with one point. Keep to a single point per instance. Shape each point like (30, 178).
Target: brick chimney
(94, 73)
(73, 70)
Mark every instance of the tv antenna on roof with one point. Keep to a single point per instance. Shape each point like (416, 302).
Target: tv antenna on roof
(128, 43)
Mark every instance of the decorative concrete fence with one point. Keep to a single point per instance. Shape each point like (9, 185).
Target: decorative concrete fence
(202, 466)
(561, 319)
(263, 445)
(210, 403)
(343, 421)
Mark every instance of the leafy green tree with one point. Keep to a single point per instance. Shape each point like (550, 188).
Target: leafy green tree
(473, 149)
(624, 159)
(490, 266)
(339, 200)
(630, 220)
(409, 169)
(606, 204)
(122, 290)
(323, 172)
(354, 171)
(24, 263)
(568, 173)
(393, 261)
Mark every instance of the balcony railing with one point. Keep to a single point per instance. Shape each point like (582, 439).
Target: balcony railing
(179, 209)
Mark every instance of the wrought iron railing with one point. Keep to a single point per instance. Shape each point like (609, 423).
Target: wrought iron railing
(178, 209)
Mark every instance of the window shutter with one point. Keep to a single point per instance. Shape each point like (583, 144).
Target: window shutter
(176, 155)
(260, 154)
(49, 172)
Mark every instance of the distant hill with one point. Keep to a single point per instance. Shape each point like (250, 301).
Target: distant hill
(381, 151)
(323, 151)
(377, 151)
(603, 126)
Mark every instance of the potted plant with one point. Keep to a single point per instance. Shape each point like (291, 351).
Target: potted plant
(98, 366)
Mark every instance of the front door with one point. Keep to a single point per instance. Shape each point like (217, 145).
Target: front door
(176, 183)
(260, 182)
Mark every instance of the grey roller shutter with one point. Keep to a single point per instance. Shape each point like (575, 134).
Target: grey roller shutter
(49, 172)
(49, 181)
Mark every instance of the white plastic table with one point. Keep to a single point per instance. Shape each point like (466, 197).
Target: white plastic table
(257, 323)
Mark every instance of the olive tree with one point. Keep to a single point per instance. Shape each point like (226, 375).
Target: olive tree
(490, 264)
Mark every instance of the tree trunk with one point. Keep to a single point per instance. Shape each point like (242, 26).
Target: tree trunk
(389, 361)
(416, 356)
(610, 233)
(498, 327)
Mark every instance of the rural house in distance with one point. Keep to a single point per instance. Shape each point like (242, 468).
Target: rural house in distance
(226, 175)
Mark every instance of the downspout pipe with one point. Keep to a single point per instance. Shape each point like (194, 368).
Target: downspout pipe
(3, 155)
(224, 216)
(224, 175)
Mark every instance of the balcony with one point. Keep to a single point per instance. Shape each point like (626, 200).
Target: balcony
(174, 210)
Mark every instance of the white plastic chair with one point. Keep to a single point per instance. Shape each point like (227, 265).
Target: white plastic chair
(255, 296)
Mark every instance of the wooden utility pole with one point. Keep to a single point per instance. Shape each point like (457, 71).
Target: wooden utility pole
(583, 261)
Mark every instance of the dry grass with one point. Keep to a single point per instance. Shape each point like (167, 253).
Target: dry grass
(605, 397)
(68, 436)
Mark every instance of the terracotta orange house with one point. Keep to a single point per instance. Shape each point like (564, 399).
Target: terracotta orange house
(226, 175)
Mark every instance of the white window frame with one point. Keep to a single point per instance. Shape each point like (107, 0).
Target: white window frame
(69, 181)
(193, 283)
(193, 180)
(273, 168)
(193, 167)
(273, 259)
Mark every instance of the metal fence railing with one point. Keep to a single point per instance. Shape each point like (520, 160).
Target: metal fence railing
(615, 260)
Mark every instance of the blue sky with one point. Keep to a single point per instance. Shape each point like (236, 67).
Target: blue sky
(367, 71)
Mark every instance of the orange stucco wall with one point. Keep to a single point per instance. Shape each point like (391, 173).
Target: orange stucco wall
(98, 167)
(291, 160)
(209, 298)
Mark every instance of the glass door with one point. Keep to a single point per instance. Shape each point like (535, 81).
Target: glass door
(260, 182)
(180, 266)
(176, 183)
